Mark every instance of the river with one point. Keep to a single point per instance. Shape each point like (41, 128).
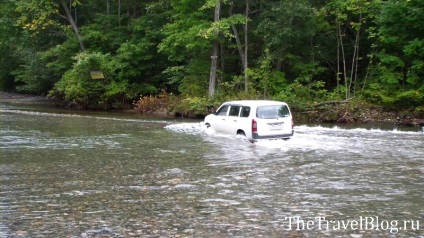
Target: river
(85, 174)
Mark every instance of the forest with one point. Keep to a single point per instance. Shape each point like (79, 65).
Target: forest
(194, 54)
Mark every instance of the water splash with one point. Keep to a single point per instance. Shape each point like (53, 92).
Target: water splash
(197, 128)
(50, 114)
(311, 138)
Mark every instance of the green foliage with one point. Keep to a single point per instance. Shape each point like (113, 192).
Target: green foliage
(195, 80)
(297, 51)
(397, 76)
(183, 34)
(174, 76)
(287, 27)
(196, 105)
(78, 87)
(138, 60)
(36, 16)
(8, 61)
(165, 102)
(223, 27)
(303, 96)
(32, 76)
(394, 98)
(8, 41)
(415, 73)
(409, 98)
(267, 80)
(59, 58)
(105, 34)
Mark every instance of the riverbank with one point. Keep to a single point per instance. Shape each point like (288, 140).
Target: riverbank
(357, 113)
(8, 97)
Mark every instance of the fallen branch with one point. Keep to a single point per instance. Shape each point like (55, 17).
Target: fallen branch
(309, 112)
(346, 118)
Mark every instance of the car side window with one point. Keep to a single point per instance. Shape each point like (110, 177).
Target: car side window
(234, 111)
(245, 112)
(222, 111)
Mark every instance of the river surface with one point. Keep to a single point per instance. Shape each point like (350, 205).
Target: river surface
(79, 174)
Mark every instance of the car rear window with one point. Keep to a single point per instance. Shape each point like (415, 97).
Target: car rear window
(272, 111)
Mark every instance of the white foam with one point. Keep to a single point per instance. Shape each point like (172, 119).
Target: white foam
(187, 128)
(312, 138)
(198, 129)
(317, 129)
(32, 113)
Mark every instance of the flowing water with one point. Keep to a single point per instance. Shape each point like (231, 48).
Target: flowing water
(69, 174)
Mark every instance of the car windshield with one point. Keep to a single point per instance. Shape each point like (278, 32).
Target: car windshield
(272, 111)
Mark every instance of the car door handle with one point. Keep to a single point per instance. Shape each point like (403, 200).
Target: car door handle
(223, 119)
(235, 120)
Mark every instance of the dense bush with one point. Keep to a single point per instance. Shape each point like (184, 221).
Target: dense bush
(78, 87)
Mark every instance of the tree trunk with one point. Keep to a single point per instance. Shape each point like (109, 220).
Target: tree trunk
(212, 77)
(246, 86)
(222, 58)
(73, 24)
(238, 42)
(214, 56)
(119, 12)
(338, 66)
(344, 61)
(356, 60)
(367, 72)
(108, 7)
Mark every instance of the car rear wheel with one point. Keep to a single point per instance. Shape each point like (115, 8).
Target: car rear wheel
(241, 135)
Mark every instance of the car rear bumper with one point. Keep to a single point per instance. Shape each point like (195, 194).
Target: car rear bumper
(256, 136)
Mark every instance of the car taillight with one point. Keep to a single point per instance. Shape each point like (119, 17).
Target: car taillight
(254, 126)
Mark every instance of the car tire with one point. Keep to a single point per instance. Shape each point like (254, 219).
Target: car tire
(241, 133)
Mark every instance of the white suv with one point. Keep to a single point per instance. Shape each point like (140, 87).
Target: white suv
(255, 119)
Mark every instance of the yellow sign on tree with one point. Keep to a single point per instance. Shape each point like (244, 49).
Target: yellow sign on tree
(97, 75)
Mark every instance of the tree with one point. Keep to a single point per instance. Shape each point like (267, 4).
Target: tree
(9, 39)
(187, 43)
(214, 56)
(71, 20)
(36, 16)
(79, 88)
(304, 50)
(399, 70)
(246, 47)
(243, 51)
(291, 32)
(350, 17)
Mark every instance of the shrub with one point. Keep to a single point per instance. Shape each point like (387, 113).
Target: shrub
(149, 104)
(77, 86)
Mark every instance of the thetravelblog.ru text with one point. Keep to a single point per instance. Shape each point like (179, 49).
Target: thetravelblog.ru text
(362, 223)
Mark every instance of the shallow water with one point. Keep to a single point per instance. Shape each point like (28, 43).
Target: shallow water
(67, 174)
